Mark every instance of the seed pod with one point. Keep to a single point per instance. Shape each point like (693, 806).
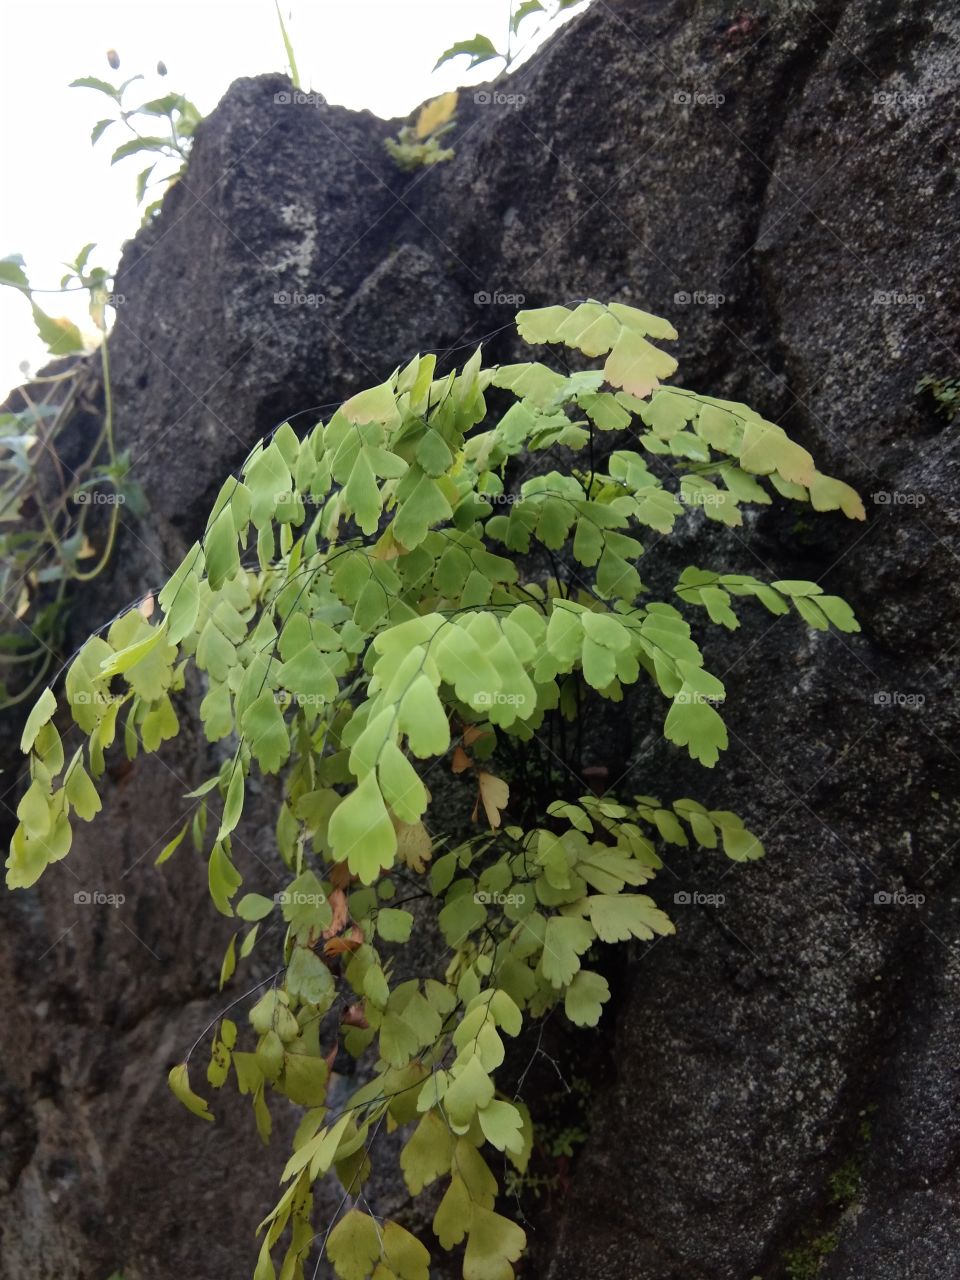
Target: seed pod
(113, 58)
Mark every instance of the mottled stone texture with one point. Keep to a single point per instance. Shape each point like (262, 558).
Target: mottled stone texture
(780, 1079)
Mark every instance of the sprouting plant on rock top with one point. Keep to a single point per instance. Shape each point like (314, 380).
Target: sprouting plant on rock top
(360, 610)
(481, 48)
(944, 391)
(417, 145)
(288, 49)
(173, 114)
(44, 543)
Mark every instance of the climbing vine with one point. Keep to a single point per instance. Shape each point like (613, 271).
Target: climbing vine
(481, 48)
(172, 119)
(45, 504)
(389, 615)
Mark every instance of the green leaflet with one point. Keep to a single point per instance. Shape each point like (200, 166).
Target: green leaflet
(361, 832)
(42, 710)
(617, 917)
(399, 623)
(585, 998)
(264, 729)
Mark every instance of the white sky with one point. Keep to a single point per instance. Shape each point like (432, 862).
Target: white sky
(59, 193)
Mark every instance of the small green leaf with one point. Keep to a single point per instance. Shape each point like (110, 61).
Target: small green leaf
(43, 709)
(479, 49)
(394, 925)
(170, 849)
(585, 997)
(233, 805)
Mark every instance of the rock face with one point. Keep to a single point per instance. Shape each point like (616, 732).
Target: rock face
(780, 1085)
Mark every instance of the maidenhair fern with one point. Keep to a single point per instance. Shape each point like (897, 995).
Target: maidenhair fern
(361, 612)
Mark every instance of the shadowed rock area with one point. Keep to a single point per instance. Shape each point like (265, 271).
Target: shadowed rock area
(779, 1082)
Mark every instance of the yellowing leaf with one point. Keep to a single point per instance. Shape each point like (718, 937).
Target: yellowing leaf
(414, 846)
(354, 1246)
(494, 794)
(620, 916)
(404, 1254)
(827, 494)
(768, 448)
(179, 1082)
(436, 113)
(493, 1243)
(637, 365)
(427, 1154)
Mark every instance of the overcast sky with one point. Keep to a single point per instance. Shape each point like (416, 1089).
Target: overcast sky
(59, 193)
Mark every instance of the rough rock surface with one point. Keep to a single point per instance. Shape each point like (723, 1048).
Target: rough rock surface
(780, 1079)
